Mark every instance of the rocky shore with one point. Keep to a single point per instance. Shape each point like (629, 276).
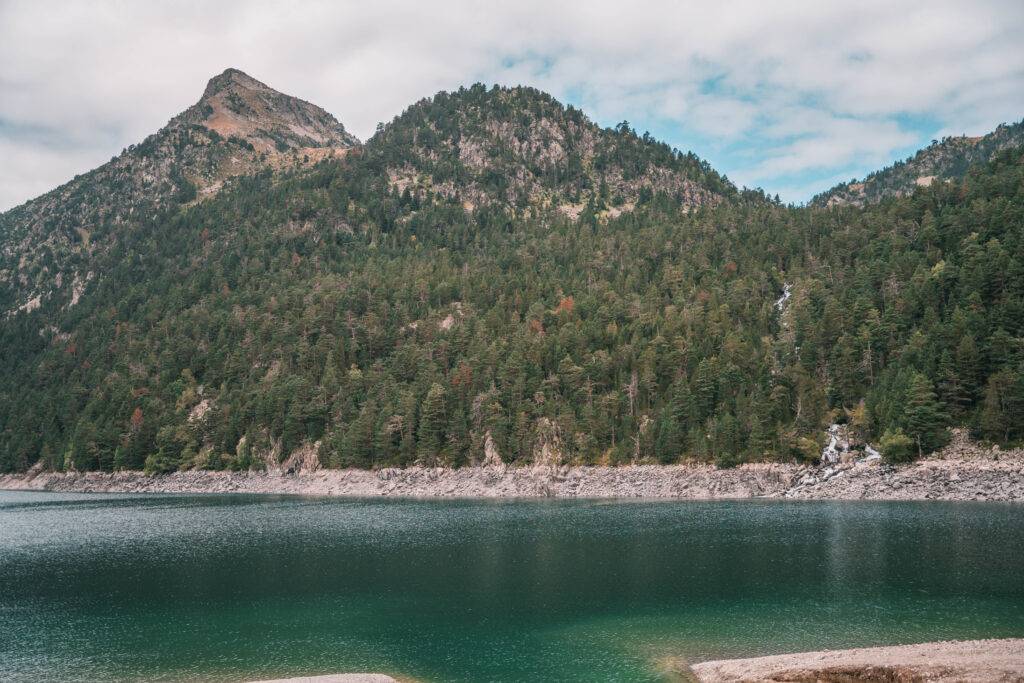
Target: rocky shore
(335, 678)
(948, 662)
(962, 471)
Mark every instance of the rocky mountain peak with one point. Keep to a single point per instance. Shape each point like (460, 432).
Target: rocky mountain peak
(232, 78)
(240, 126)
(235, 104)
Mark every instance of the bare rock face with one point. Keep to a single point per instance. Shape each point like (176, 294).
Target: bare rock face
(237, 105)
(491, 456)
(302, 459)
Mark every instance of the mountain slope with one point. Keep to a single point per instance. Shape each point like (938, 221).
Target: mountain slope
(948, 159)
(238, 127)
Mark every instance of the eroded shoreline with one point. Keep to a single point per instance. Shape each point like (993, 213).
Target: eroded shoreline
(984, 479)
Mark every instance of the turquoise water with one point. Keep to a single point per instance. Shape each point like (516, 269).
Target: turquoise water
(237, 587)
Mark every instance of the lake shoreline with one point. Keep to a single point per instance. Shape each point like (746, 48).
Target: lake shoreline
(939, 662)
(952, 479)
(950, 661)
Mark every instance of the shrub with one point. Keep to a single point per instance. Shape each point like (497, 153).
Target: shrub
(897, 447)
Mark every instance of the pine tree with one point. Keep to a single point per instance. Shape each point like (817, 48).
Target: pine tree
(924, 419)
(726, 442)
(407, 450)
(456, 449)
(681, 404)
(359, 437)
(951, 389)
(668, 443)
(571, 376)
(433, 421)
(968, 364)
(705, 389)
(761, 435)
(995, 421)
(294, 430)
(120, 458)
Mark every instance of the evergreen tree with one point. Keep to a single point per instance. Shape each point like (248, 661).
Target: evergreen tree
(1002, 413)
(924, 419)
(433, 421)
(705, 389)
(358, 443)
(668, 443)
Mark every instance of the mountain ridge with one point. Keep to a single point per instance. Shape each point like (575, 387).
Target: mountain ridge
(944, 160)
(425, 298)
(241, 126)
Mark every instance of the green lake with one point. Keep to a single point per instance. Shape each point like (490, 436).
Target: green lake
(105, 587)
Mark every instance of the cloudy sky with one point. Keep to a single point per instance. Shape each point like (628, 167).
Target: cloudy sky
(789, 96)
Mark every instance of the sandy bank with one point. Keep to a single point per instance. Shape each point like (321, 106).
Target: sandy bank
(935, 479)
(946, 662)
(335, 678)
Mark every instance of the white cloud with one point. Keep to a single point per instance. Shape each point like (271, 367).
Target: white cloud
(774, 90)
(836, 144)
(28, 168)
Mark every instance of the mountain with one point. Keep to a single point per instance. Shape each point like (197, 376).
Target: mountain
(944, 160)
(490, 276)
(239, 126)
(502, 147)
(520, 147)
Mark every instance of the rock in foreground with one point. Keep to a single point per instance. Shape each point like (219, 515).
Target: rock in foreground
(945, 662)
(335, 678)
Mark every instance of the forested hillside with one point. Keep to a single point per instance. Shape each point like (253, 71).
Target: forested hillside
(491, 275)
